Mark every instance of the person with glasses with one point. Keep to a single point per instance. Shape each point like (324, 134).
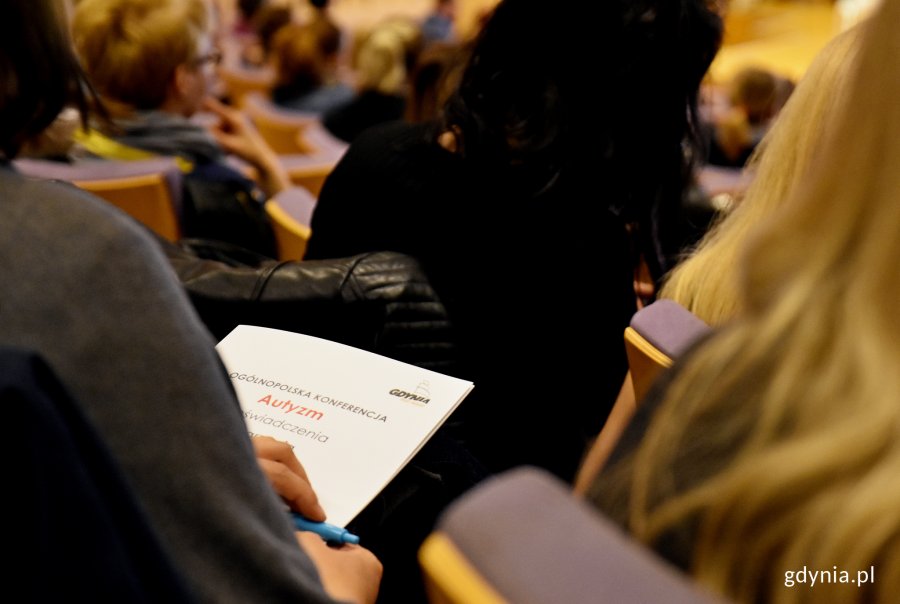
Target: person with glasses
(153, 62)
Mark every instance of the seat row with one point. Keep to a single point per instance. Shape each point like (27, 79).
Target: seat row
(150, 190)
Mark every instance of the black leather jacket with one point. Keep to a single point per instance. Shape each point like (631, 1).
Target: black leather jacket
(381, 302)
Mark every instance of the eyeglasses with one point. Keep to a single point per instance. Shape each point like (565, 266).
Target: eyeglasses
(213, 57)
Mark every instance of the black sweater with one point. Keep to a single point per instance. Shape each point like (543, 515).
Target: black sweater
(538, 288)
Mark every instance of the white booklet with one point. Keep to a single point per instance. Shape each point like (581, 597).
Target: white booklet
(354, 418)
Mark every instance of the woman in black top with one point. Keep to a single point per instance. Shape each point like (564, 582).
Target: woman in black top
(528, 202)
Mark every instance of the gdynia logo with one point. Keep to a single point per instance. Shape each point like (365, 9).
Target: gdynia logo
(420, 395)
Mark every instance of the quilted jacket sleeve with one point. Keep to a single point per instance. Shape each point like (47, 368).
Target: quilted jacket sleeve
(381, 302)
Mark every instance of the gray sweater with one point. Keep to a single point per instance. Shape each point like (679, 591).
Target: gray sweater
(85, 286)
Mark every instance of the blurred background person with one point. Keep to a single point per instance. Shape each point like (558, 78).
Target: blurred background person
(755, 97)
(306, 59)
(434, 77)
(382, 64)
(257, 47)
(439, 25)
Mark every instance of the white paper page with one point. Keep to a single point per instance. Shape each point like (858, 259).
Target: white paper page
(353, 417)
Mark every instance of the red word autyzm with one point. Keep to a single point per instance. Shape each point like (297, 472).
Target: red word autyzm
(290, 407)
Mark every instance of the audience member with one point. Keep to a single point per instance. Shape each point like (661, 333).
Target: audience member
(267, 22)
(439, 24)
(57, 139)
(379, 302)
(307, 59)
(246, 11)
(329, 30)
(126, 343)
(773, 449)
(706, 281)
(434, 78)
(755, 97)
(528, 187)
(335, 39)
(381, 64)
(153, 63)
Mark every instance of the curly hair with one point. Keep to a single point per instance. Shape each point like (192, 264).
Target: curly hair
(525, 106)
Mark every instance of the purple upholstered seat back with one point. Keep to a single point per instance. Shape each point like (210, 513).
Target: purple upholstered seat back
(298, 203)
(102, 169)
(535, 543)
(669, 327)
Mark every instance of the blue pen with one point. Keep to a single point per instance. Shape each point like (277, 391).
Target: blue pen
(328, 532)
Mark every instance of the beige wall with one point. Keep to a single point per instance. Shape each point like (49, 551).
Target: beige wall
(354, 14)
(779, 36)
(363, 13)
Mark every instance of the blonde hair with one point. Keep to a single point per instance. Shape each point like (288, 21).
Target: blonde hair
(778, 444)
(384, 56)
(131, 48)
(705, 282)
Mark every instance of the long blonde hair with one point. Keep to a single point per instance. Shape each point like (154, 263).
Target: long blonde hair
(705, 282)
(777, 446)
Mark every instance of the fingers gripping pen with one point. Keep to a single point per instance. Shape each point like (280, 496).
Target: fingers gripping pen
(328, 532)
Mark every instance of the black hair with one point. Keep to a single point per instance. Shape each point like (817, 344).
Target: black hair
(525, 106)
(39, 71)
(249, 8)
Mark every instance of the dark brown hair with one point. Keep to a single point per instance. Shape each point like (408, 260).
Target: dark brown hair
(39, 71)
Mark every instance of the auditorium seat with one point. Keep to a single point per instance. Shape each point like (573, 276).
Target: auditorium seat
(289, 131)
(657, 335)
(291, 214)
(306, 149)
(149, 190)
(523, 537)
(282, 129)
(238, 81)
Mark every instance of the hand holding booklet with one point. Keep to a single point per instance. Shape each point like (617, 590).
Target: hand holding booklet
(354, 418)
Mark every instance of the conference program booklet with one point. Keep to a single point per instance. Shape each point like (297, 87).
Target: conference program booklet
(353, 418)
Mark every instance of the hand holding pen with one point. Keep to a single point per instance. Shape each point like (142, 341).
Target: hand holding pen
(329, 532)
(349, 572)
(281, 466)
(277, 461)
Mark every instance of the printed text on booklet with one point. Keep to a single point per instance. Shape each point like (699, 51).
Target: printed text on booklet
(353, 417)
